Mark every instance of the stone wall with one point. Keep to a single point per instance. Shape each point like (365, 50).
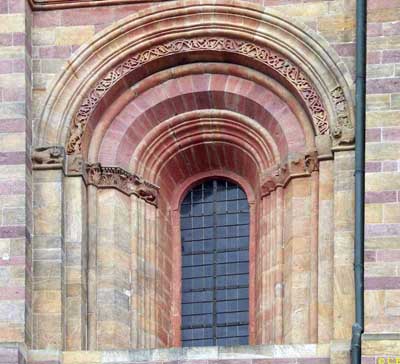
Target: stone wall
(43, 278)
(15, 171)
(382, 254)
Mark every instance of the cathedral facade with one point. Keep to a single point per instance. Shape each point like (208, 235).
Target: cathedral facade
(177, 182)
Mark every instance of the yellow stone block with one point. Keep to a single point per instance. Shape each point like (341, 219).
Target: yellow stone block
(12, 23)
(336, 23)
(47, 302)
(384, 15)
(378, 102)
(73, 35)
(381, 347)
(383, 118)
(12, 80)
(14, 142)
(395, 100)
(373, 213)
(391, 213)
(387, 181)
(382, 151)
(77, 357)
(43, 36)
(304, 10)
(11, 332)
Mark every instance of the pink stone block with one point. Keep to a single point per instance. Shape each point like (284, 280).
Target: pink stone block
(18, 39)
(46, 18)
(372, 230)
(14, 94)
(370, 256)
(345, 49)
(374, 57)
(391, 134)
(391, 56)
(55, 52)
(8, 293)
(381, 283)
(5, 66)
(382, 86)
(374, 29)
(389, 166)
(12, 232)
(373, 135)
(388, 255)
(12, 187)
(12, 125)
(382, 4)
(16, 6)
(71, 17)
(12, 158)
(373, 167)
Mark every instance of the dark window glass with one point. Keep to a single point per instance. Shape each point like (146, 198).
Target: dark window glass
(215, 265)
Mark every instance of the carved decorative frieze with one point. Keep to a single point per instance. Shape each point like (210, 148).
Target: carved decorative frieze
(48, 157)
(343, 132)
(277, 62)
(339, 100)
(280, 175)
(116, 177)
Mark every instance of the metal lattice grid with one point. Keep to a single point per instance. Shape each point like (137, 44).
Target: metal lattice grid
(215, 265)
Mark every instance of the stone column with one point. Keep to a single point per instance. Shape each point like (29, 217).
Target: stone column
(75, 270)
(48, 260)
(113, 270)
(297, 258)
(92, 268)
(144, 298)
(279, 283)
(343, 310)
(325, 252)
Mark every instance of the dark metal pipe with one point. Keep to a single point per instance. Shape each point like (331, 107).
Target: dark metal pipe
(361, 46)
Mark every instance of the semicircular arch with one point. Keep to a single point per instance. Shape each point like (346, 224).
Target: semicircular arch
(137, 44)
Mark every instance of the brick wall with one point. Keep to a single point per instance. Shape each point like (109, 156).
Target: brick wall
(382, 275)
(35, 47)
(15, 136)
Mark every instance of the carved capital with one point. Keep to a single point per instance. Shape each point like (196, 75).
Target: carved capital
(48, 157)
(116, 177)
(74, 165)
(279, 176)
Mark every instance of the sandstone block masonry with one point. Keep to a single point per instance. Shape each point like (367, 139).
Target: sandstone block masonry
(48, 312)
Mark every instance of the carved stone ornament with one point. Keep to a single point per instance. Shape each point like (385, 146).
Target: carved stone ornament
(279, 176)
(116, 177)
(74, 165)
(343, 132)
(277, 62)
(49, 157)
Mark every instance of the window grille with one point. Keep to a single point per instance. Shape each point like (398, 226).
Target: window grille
(215, 265)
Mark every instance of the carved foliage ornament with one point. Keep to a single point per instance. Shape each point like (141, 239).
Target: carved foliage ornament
(279, 176)
(274, 60)
(115, 177)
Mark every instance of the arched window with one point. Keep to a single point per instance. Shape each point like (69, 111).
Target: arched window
(215, 265)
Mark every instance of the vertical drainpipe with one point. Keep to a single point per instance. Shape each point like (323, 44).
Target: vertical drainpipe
(358, 327)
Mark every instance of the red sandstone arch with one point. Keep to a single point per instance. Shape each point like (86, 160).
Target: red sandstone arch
(198, 89)
(157, 38)
(154, 99)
